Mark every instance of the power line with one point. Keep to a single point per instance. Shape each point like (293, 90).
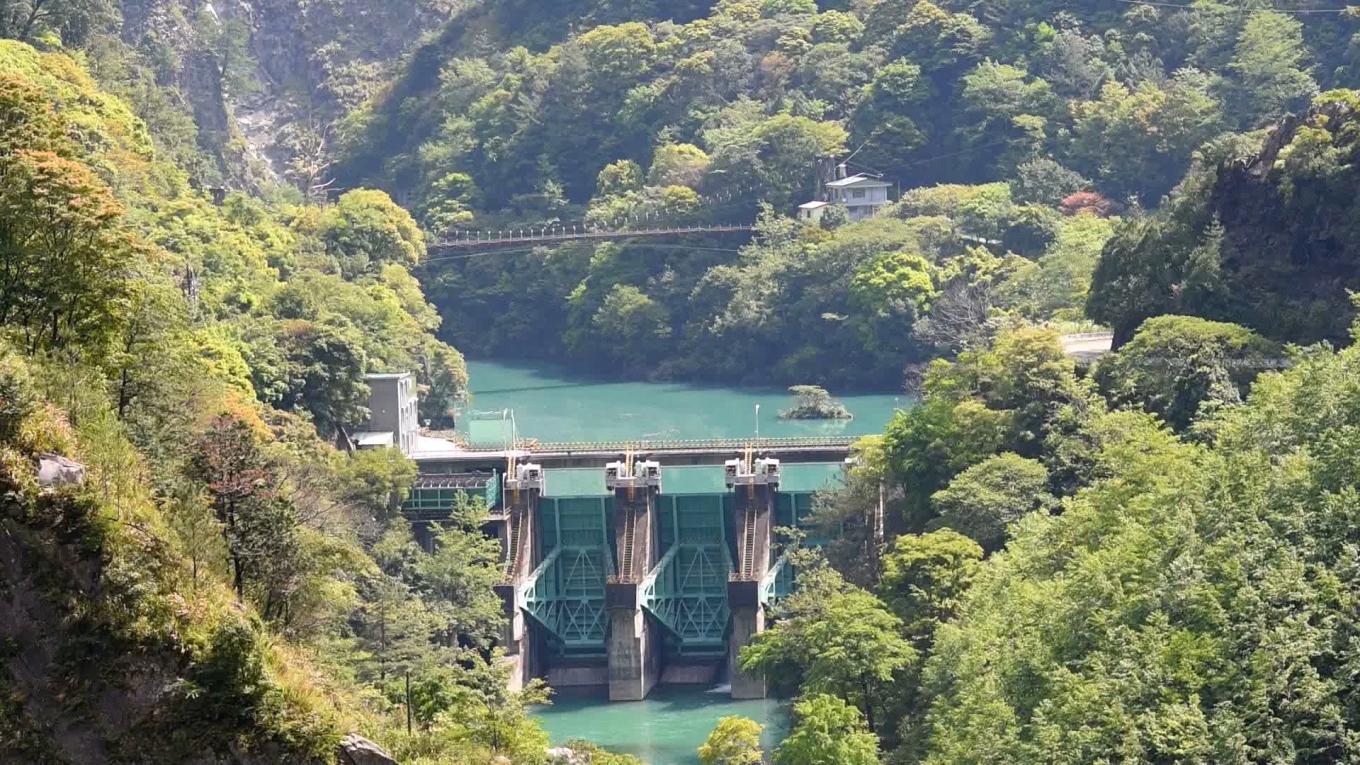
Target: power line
(1192, 6)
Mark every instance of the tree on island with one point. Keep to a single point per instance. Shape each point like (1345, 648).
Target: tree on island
(812, 402)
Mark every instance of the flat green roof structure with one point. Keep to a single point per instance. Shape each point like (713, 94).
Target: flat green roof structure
(574, 482)
(797, 479)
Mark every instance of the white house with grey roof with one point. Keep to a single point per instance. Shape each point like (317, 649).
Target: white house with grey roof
(861, 194)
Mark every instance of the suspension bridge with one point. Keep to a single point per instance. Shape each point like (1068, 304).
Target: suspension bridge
(563, 234)
(655, 222)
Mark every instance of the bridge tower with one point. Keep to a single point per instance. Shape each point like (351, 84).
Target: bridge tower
(754, 482)
(633, 648)
(523, 488)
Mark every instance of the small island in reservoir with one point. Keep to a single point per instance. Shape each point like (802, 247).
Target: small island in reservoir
(812, 402)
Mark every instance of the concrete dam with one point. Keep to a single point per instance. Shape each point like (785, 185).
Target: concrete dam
(632, 565)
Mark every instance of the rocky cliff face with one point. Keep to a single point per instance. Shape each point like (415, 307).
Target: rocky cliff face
(1291, 235)
(76, 685)
(266, 80)
(1265, 232)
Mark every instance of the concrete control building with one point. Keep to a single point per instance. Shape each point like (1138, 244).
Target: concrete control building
(394, 418)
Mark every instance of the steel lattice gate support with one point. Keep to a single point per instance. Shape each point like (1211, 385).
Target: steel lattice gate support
(566, 593)
(688, 592)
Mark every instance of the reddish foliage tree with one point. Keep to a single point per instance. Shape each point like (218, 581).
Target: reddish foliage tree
(1084, 201)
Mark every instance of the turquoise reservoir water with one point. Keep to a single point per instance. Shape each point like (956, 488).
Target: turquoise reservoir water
(552, 405)
(666, 729)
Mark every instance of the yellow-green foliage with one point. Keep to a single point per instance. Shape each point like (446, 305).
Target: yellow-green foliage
(140, 593)
(149, 579)
(104, 127)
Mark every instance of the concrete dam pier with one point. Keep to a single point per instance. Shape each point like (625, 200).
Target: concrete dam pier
(625, 571)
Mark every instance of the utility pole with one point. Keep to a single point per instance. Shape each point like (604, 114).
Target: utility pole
(408, 702)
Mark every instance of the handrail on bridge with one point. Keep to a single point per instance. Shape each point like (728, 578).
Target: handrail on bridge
(467, 240)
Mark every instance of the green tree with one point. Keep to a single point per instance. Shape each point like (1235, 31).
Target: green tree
(734, 741)
(924, 579)
(931, 442)
(365, 229)
(894, 284)
(242, 487)
(1138, 141)
(1008, 110)
(827, 731)
(27, 119)
(813, 402)
(678, 165)
(396, 629)
(443, 376)
(460, 575)
(72, 20)
(1057, 285)
(1013, 395)
(1182, 367)
(631, 325)
(984, 500)
(1270, 69)
(1044, 181)
(619, 178)
(840, 640)
(322, 374)
(378, 480)
(774, 152)
(883, 123)
(63, 252)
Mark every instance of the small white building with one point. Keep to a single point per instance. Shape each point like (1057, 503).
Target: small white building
(863, 195)
(812, 211)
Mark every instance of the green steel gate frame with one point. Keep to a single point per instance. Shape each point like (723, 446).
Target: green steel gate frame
(687, 590)
(566, 593)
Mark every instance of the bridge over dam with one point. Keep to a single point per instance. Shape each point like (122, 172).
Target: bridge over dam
(635, 563)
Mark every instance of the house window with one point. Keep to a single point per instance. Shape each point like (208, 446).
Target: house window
(857, 194)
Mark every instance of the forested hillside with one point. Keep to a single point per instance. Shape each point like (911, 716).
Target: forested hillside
(1263, 234)
(1040, 115)
(190, 571)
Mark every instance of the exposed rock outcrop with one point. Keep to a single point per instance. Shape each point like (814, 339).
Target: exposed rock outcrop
(56, 471)
(1263, 232)
(266, 80)
(357, 750)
